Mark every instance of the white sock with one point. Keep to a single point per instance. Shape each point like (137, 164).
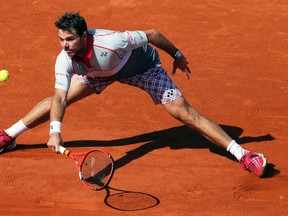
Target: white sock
(236, 150)
(17, 129)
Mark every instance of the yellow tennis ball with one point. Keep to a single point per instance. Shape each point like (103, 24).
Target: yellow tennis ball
(4, 75)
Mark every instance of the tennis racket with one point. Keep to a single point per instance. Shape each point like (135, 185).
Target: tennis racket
(95, 167)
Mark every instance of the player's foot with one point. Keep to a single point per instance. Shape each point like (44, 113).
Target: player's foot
(254, 162)
(6, 142)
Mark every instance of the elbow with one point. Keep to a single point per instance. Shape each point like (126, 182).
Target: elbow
(152, 34)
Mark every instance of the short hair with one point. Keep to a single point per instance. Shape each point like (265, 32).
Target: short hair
(70, 21)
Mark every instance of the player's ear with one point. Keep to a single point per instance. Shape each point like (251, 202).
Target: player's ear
(84, 35)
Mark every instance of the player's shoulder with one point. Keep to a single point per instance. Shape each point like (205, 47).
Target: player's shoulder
(63, 57)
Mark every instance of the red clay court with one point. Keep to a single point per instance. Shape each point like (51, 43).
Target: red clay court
(238, 53)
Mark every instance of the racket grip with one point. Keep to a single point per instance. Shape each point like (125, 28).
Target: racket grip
(63, 150)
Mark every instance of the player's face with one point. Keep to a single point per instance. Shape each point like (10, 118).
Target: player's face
(72, 43)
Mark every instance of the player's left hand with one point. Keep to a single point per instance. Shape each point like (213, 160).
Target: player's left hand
(182, 64)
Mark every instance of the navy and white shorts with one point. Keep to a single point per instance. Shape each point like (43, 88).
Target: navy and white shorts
(155, 82)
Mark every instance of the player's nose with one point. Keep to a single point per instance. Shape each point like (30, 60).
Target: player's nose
(66, 45)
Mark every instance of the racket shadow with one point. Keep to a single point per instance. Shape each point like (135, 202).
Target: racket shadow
(129, 201)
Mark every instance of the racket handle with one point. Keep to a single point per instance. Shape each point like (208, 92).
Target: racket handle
(63, 150)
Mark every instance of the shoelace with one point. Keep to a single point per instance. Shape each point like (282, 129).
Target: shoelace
(253, 163)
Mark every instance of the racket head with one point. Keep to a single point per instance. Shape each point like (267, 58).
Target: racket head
(96, 169)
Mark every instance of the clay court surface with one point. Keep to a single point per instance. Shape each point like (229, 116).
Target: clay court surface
(238, 53)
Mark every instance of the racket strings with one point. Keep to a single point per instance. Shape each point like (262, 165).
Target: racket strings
(96, 169)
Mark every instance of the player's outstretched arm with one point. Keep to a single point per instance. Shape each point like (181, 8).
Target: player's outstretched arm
(160, 41)
(58, 107)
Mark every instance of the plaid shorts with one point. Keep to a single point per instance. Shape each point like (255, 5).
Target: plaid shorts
(155, 82)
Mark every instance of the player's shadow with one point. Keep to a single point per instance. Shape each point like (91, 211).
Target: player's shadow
(175, 138)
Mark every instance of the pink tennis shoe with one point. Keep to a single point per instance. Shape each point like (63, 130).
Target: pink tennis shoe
(6, 142)
(254, 162)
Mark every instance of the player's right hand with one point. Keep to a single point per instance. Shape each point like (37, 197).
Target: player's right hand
(54, 142)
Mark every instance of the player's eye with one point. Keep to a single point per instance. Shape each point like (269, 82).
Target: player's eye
(70, 39)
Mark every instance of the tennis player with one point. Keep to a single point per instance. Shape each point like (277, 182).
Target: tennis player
(92, 60)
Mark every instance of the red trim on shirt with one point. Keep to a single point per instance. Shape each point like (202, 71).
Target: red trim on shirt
(89, 46)
(131, 38)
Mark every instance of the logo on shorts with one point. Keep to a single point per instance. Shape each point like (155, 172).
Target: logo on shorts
(170, 95)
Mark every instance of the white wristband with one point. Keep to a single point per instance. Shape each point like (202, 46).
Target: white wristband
(55, 126)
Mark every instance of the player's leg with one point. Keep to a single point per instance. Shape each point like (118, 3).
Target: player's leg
(163, 91)
(181, 110)
(40, 114)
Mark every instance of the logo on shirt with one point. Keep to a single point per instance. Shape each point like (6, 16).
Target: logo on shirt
(103, 54)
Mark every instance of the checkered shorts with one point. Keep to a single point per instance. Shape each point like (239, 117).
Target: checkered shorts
(155, 82)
